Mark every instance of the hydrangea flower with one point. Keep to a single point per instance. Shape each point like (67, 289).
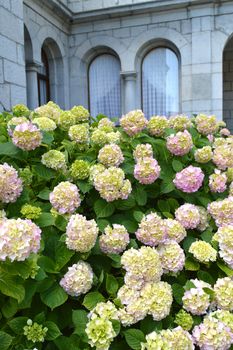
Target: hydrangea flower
(19, 238)
(184, 320)
(100, 333)
(65, 197)
(224, 236)
(105, 310)
(223, 290)
(189, 180)
(212, 334)
(218, 182)
(147, 170)
(27, 136)
(54, 159)
(204, 219)
(26, 175)
(30, 211)
(225, 317)
(188, 215)
(13, 122)
(114, 240)
(111, 184)
(80, 169)
(127, 295)
(50, 110)
(10, 184)
(180, 122)
(175, 231)
(133, 122)
(79, 133)
(203, 251)
(225, 132)
(113, 137)
(180, 143)
(35, 332)
(106, 125)
(222, 156)
(206, 124)
(222, 211)
(66, 120)
(110, 155)
(81, 114)
(203, 155)
(152, 230)
(95, 170)
(45, 124)
(143, 264)
(99, 137)
(81, 234)
(157, 125)
(143, 151)
(78, 280)
(20, 110)
(172, 256)
(196, 301)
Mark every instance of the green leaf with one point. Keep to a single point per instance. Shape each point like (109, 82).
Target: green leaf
(167, 187)
(5, 340)
(126, 204)
(111, 284)
(54, 296)
(17, 324)
(225, 269)
(134, 338)
(47, 138)
(103, 209)
(43, 172)
(62, 255)
(44, 194)
(130, 225)
(178, 292)
(91, 299)
(11, 286)
(102, 223)
(207, 236)
(53, 330)
(191, 265)
(177, 165)
(210, 292)
(140, 196)
(9, 308)
(163, 206)
(138, 215)
(61, 223)
(80, 319)
(148, 325)
(116, 326)
(45, 220)
(47, 264)
(9, 149)
(84, 186)
(205, 276)
(189, 285)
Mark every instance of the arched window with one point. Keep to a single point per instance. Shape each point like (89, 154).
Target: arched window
(105, 86)
(43, 80)
(160, 82)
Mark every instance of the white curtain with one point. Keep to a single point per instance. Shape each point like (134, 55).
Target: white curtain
(105, 86)
(160, 83)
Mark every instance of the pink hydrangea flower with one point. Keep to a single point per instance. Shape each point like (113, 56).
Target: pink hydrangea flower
(147, 170)
(218, 182)
(10, 184)
(189, 180)
(65, 197)
(27, 136)
(180, 144)
(188, 215)
(133, 122)
(152, 230)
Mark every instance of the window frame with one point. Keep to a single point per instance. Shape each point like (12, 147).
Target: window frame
(162, 45)
(44, 77)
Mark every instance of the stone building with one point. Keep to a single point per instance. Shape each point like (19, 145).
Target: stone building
(112, 56)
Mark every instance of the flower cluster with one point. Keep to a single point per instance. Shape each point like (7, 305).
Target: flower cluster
(184, 320)
(66, 120)
(175, 231)
(27, 136)
(78, 280)
(10, 184)
(222, 211)
(203, 155)
(188, 215)
(224, 237)
(225, 132)
(222, 156)
(20, 110)
(180, 143)
(170, 339)
(80, 169)
(19, 238)
(13, 122)
(114, 240)
(65, 197)
(223, 290)
(224, 316)
(157, 125)
(179, 122)
(172, 256)
(196, 300)
(81, 234)
(146, 170)
(45, 124)
(143, 151)
(152, 230)
(206, 124)
(106, 125)
(212, 334)
(204, 219)
(99, 137)
(81, 114)
(110, 155)
(35, 332)
(30, 211)
(111, 184)
(203, 251)
(133, 122)
(229, 174)
(54, 159)
(26, 175)
(189, 180)
(79, 133)
(50, 110)
(218, 182)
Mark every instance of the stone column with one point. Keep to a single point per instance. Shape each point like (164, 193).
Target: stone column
(32, 84)
(129, 97)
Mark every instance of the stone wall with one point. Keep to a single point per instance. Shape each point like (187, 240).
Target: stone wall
(12, 69)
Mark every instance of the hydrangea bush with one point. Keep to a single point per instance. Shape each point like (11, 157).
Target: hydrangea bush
(115, 236)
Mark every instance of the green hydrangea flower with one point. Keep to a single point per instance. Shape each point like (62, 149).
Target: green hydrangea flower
(80, 170)
(30, 212)
(184, 319)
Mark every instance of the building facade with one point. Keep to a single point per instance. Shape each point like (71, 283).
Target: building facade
(112, 56)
